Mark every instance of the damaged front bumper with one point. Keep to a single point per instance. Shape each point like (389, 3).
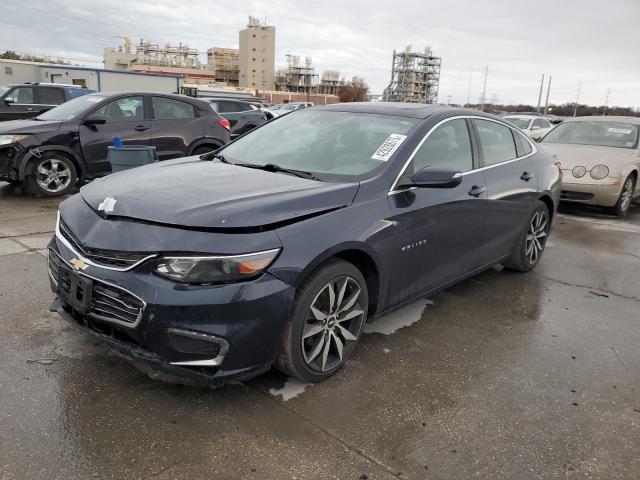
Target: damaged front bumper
(10, 157)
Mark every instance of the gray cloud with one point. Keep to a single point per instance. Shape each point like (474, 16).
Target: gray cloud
(591, 41)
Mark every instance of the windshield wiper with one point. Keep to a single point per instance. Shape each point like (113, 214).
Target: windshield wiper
(272, 167)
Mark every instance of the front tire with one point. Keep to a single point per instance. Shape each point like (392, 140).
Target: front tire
(328, 314)
(53, 175)
(531, 242)
(623, 205)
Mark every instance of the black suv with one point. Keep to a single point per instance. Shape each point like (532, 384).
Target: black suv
(53, 150)
(243, 116)
(28, 100)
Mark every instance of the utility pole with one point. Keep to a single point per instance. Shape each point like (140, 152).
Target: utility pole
(484, 88)
(546, 102)
(449, 100)
(469, 88)
(575, 110)
(540, 93)
(606, 102)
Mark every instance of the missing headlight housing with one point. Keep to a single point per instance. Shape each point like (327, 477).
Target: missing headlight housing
(199, 270)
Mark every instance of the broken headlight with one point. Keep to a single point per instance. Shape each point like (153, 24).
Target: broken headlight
(214, 269)
(11, 139)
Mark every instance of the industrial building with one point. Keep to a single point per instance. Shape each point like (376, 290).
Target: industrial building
(301, 77)
(225, 63)
(415, 77)
(18, 71)
(257, 55)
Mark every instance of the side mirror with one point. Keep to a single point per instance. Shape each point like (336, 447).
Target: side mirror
(9, 101)
(434, 177)
(535, 127)
(536, 137)
(94, 120)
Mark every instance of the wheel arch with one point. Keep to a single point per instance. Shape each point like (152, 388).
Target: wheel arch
(203, 142)
(362, 257)
(34, 154)
(546, 199)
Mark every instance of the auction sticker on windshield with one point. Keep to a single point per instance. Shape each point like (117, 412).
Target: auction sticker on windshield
(620, 130)
(389, 146)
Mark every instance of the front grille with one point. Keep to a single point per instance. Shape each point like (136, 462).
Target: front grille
(103, 301)
(105, 258)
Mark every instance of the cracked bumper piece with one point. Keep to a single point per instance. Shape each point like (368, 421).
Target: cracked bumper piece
(197, 335)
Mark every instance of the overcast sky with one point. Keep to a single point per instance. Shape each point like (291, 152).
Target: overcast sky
(596, 42)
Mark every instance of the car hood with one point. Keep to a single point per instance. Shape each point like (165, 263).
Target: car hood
(207, 195)
(28, 126)
(589, 155)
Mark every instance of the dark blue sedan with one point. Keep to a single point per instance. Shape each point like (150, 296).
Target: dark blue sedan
(277, 248)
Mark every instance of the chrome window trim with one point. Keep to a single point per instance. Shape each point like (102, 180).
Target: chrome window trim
(100, 317)
(67, 244)
(534, 149)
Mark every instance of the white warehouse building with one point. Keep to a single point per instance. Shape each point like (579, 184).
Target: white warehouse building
(18, 71)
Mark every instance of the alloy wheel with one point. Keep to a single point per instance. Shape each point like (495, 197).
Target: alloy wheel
(536, 236)
(334, 320)
(626, 195)
(53, 175)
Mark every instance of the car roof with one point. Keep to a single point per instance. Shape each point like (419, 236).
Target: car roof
(184, 98)
(601, 118)
(412, 110)
(527, 117)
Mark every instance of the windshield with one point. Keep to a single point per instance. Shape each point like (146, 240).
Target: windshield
(71, 109)
(4, 89)
(327, 144)
(605, 134)
(519, 122)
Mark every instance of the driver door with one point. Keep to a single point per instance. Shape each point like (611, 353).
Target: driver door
(447, 223)
(125, 117)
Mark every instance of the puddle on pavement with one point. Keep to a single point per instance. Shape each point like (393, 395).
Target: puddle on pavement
(291, 389)
(394, 321)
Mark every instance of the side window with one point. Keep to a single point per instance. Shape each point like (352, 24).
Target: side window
(522, 144)
(21, 95)
(496, 142)
(538, 122)
(449, 145)
(229, 107)
(50, 96)
(169, 109)
(243, 107)
(128, 109)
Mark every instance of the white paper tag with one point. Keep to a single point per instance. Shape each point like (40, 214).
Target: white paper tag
(619, 130)
(389, 146)
(93, 99)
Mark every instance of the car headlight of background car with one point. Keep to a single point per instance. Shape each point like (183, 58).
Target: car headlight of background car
(599, 172)
(579, 171)
(214, 269)
(10, 139)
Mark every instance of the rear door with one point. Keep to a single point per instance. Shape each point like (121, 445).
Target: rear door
(176, 126)
(512, 186)
(125, 117)
(19, 102)
(447, 223)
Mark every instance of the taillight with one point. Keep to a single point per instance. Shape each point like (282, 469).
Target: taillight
(223, 122)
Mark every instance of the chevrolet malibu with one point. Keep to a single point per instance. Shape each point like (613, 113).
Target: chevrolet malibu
(600, 157)
(277, 248)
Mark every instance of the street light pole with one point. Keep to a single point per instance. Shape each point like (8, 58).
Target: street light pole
(546, 102)
(540, 94)
(606, 102)
(484, 87)
(575, 110)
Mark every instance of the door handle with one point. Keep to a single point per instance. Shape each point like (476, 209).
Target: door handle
(526, 176)
(476, 190)
(141, 128)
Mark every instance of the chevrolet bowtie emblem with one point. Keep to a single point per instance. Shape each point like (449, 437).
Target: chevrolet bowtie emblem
(78, 264)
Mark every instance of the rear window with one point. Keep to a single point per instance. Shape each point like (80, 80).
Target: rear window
(77, 92)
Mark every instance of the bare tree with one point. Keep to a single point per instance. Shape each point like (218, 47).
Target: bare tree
(354, 91)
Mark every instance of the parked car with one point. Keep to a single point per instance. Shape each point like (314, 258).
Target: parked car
(280, 246)
(243, 116)
(530, 124)
(600, 158)
(53, 150)
(291, 107)
(28, 100)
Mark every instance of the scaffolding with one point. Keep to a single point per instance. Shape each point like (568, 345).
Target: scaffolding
(225, 62)
(415, 77)
(330, 82)
(298, 77)
(180, 56)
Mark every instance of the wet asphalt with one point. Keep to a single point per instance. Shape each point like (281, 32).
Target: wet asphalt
(504, 376)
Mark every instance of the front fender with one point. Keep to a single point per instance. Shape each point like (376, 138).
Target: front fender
(36, 152)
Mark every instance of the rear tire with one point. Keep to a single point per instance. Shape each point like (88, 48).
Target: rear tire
(623, 205)
(531, 242)
(54, 174)
(326, 322)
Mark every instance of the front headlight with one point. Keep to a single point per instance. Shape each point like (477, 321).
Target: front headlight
(579, 171)
(218, 269)
(9, 139)
(599, 172)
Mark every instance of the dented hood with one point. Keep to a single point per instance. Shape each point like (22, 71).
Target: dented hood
(203, 194)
